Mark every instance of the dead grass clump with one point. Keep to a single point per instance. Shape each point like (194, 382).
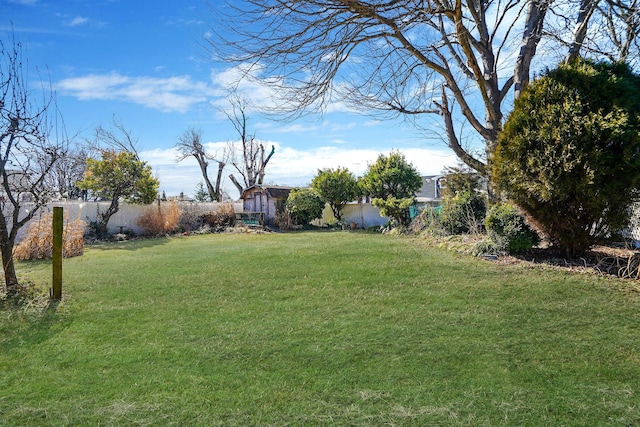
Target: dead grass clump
(160, 219)
(38, 240)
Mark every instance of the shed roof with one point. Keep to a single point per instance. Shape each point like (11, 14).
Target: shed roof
(273, 191)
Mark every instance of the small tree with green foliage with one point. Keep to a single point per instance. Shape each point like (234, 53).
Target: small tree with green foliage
(569, 154)
(119, 176)
(337, 187)
(304, 205)
(392, 182)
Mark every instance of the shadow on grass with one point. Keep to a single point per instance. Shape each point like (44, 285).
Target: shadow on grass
(29, 317)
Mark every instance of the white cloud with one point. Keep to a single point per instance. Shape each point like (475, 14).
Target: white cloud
(290, 128)
(159, 156)
(265, 92)
(181, 93)
(78, 20)
(172, 94)
(242, 80)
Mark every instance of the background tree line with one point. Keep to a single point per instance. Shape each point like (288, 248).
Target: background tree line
(391, 182)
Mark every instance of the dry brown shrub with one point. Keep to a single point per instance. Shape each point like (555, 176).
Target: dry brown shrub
(190, 218)
(224, 216)
(159, 219)
(38, 240)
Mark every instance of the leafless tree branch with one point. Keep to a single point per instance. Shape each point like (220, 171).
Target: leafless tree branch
(394, 57)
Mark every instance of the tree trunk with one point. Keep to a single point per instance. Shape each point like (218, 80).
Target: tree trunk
(221, 166)
(6, 248)
(530, 39)
(264, 164)
(587, 7)
(337, 211)
(106, 215)
(454, 143)
(213, 194)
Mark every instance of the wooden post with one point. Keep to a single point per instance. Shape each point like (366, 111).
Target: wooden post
(56, 293)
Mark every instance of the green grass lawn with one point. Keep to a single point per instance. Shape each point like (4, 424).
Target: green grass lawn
(332, 328)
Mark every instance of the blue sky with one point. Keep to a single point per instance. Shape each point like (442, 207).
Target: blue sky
(144, 63)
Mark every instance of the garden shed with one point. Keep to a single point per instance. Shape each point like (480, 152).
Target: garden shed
(262, 199)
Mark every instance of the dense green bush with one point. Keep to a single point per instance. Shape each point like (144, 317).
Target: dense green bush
(508, 229)
(337, 187)
(392, 181)
(304, 205)
(98, 230)
(397, 209)
(569, 153)
(463, 213)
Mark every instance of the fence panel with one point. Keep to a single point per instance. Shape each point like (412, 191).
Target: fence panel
(126, 219)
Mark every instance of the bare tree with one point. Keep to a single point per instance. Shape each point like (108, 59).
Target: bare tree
(621, 28)
(190, 145)
(32, 141)
(67, 172)
(463, 61)
(252, 160)
(117, 138)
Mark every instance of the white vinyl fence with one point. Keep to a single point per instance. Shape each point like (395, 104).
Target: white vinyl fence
(126, 219)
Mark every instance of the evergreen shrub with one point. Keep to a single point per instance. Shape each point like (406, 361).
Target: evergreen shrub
(508, 230)
(569, 152)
